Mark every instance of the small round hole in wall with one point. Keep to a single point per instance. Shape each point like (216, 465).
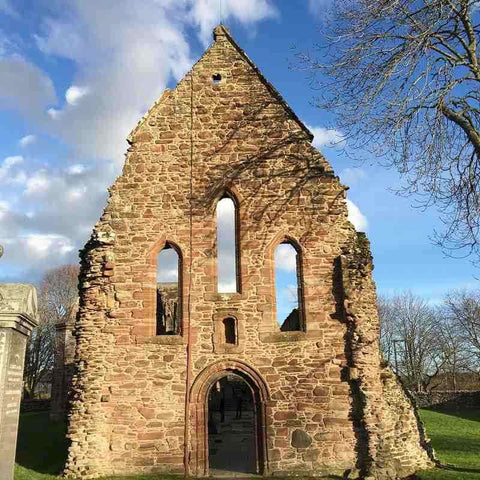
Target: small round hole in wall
(216, 78)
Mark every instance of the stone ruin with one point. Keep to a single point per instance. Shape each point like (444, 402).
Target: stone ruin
(323, 401)
(18, 317)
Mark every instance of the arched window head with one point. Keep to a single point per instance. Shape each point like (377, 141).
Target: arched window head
(227, 246)
(288, 287)
(169, 291)
(230, 330)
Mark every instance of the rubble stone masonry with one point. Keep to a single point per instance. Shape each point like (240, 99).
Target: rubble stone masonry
(324, 402)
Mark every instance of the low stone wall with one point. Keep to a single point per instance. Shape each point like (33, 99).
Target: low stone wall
(28, 406)
(437, 399)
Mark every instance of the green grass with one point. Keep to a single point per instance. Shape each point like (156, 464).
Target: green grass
(41, 447)
(455, 436)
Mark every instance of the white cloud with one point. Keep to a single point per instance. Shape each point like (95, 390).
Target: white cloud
(37, 183)
(328, 138)
(127, 52)
(23, 86)
(53, 113)
(76, 169)
(356, 217)
(351, 176)
(206, 13)
(75, 93)
(7, 164)
(286, 257)
(4, 208)
(27, 140)
(41, 245)
(319, 8)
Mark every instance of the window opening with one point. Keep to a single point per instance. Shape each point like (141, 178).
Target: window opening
(168, 292)
(216, 78)
(229, 325)
(226, 246)
(287, 287)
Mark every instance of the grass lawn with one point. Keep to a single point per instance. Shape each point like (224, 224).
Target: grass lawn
(41, 447)
(455, 436)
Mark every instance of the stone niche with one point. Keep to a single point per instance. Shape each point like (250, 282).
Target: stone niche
(18, 312)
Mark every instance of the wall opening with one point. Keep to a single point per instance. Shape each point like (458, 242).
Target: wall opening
(216, 78)
(288, 283)
(230, 329)
(168, 295)
(227, 246)
(232, 443)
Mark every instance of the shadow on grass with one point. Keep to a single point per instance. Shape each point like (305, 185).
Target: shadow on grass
(472, 413)
(41, 445)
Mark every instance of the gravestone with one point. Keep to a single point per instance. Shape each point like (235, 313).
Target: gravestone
(18, 312)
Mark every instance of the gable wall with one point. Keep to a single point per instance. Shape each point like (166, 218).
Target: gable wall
(128, 410)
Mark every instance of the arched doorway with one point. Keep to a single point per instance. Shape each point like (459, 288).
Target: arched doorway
(211, 439)
(231, 427)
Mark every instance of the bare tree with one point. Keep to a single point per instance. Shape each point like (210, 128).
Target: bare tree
(403, 78)
(386, 314)
(414, 328)
(57, 300)
(463, 310)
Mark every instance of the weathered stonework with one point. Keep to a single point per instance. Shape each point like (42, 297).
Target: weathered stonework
(18, 312)
(63, 368)
(324, 403)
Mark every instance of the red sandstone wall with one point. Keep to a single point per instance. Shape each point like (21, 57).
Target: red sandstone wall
(128, 410)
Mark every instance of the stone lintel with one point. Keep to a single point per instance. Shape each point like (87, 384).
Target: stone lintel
(20, 322)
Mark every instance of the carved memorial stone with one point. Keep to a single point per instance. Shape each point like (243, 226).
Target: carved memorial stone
(18, 311)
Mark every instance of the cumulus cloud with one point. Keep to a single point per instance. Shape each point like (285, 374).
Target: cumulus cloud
(356, 217)
(123, 55)
(351, 176)
(27, 140)
(205, 13)
(329, 138)
(7, 166)
(75, 93)
(286, 257)
(24, 87)
(126, 53)
(46, 225)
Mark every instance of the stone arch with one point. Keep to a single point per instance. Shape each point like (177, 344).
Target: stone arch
(270, 264)
(150, 283)
(199, 412)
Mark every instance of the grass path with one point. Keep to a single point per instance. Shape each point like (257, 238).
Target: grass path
(41, 447)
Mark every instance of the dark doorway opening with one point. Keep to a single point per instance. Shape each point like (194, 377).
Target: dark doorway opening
(232, 437)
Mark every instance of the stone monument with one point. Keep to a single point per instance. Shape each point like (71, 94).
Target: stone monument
(18, 312)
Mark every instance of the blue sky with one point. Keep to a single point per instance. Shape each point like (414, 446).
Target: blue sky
(76, 76)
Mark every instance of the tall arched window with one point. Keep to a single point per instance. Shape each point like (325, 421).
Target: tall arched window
(288, 287)
(169, 299)
(227, 246)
